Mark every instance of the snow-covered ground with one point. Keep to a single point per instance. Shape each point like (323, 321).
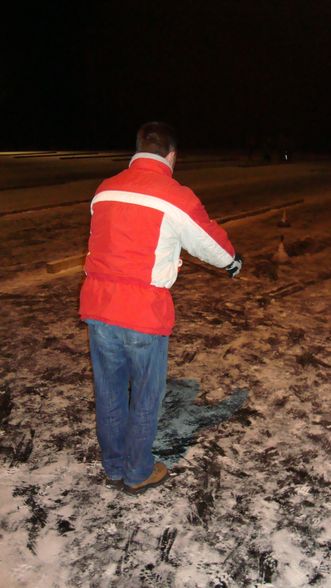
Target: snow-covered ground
(249, 501)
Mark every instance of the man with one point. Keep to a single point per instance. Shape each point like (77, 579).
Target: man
(141, 218)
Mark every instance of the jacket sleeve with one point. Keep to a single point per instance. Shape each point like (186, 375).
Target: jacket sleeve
(204, 238)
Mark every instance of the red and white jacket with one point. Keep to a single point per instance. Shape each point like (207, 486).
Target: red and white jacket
(141, 218)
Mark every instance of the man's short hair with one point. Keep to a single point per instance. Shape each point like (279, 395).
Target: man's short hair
(156, 137)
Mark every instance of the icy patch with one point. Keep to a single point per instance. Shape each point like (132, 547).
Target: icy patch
(181, 419)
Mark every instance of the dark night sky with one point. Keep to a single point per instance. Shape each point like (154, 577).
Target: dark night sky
(224, 73)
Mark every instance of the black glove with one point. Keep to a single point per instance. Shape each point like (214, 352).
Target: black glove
(235, 266)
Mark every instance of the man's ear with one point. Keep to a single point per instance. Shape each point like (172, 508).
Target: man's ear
(171, 158)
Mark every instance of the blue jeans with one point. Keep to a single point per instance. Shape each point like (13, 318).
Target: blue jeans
(130, 370)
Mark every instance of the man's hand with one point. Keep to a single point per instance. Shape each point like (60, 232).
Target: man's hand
(235, 266)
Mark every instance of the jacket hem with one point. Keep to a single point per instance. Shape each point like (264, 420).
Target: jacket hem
(147, 330)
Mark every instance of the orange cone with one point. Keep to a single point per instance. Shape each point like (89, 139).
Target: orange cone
(284, 221)
(281, 255)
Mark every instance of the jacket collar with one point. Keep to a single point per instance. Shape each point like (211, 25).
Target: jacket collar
(151, 161)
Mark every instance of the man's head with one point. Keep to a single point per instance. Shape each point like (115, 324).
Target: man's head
(158, 138)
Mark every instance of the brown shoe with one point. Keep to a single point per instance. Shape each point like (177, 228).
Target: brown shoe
(158, 475)
(116, 484)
